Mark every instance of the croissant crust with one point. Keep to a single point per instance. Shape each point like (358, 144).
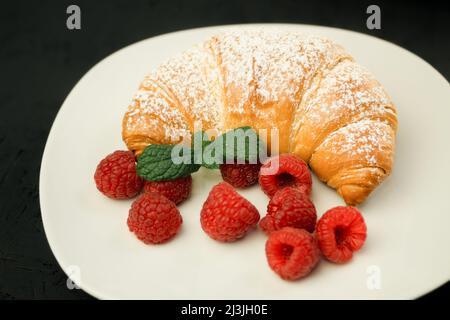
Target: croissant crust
(328, 110)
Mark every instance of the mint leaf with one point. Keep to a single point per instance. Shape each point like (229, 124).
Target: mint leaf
(156, 164)
(240, 145)
(208, 165)
(161, 162)
(199, 145)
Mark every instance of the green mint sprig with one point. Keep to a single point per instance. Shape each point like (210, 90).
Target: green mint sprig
(157, 161)
(155, 164)
(238, 145)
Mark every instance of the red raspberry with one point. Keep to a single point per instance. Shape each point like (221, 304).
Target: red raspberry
(154, 218)
(227, 216)
(240, 175)
(292, 253)
(289, 207)
(292, 172)
(176, 190)
(116, 176)
(340, 231)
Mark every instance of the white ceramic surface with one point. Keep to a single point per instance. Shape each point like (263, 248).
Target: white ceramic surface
(408, 216)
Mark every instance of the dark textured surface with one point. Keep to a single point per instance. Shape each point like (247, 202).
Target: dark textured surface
(40, 62)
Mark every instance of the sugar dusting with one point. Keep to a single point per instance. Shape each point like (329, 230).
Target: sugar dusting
(364, 139)
(268, 66)
(355, 92)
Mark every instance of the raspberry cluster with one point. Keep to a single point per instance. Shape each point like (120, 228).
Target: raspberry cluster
(153, 216)
(296, 240)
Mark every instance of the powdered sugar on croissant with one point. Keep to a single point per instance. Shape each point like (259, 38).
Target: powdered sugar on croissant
(327, 109)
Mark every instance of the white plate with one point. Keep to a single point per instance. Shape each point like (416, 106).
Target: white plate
(408, 216)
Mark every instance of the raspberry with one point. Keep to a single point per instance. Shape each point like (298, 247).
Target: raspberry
(176, 190)
(116, 176)
(340, 231)
(289, 207)
(292, 253)
(240, 175)
(292, 172)
(227, 216)
(154, 218)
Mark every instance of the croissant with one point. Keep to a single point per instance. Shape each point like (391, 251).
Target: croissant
(327, 109)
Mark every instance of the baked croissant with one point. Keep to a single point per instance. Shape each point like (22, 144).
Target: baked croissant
(328, 110)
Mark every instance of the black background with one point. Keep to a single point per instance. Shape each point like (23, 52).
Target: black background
(41, 60)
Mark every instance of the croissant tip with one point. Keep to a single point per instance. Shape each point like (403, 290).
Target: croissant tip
(353, 195)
